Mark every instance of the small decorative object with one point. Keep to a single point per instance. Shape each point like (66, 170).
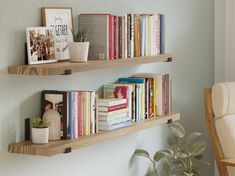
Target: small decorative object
(53, 116)
(40, 131)
(57, 100)
(183, 157)
(40, 45)
(79, 48)
(61, 19)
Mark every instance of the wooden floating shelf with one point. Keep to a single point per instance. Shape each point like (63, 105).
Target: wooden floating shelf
(66, 146)
(67, 68)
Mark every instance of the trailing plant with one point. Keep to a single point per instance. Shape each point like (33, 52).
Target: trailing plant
(182, 158)
(39, 123)
(80, 36)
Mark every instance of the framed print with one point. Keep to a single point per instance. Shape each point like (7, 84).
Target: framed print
(40, 45)
(61, 19)
(57, 100)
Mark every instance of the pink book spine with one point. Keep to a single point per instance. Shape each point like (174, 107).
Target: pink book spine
(117, 38)
(80, 123)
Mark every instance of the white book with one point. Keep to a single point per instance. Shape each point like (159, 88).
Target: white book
(113, 116)
(114, 121)
(92, 109)
(119, 125)
(111, 102)
(97, 26)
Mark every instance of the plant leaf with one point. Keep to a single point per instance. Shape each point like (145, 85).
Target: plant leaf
(172, 141)
(191, 137)
(166, 167)
(163, 153)
(198, 148)
(141, 152)
(177, 129)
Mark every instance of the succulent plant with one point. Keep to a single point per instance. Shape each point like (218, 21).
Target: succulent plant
(39, 123)
(80, 36)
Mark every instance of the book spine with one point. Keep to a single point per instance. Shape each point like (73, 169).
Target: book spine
(112, 108)
(80, 122)
(132, 36)
(162, 33)
(75, 114)
(120, 37)
(92, 109)
(111, 44)
(128, 35)
(70, 115)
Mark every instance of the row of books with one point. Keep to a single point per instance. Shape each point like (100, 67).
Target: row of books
(113, 114)
(116, 37)
(148, 95)
(77, 111)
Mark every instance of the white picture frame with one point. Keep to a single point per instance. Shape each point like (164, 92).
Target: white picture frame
(61, 19)
(40, 45)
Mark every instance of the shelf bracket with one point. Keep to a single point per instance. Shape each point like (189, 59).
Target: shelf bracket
(68, 150)
(169, 121)
(169, 59)
(67, 72)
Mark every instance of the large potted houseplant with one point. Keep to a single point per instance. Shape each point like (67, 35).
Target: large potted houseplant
(40, 131)
(183, 157)
(78, 49)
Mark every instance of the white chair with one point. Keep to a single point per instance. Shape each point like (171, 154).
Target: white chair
(220, 121)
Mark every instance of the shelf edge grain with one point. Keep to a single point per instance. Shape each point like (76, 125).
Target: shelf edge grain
(67, 68)
(58, 147)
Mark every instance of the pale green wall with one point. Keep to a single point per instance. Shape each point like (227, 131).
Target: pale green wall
(189, 31)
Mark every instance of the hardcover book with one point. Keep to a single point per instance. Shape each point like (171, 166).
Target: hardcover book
(97, 26)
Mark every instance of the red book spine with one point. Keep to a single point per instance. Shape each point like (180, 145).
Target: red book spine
(114, 108)
(117, 32)
(111, 55)
(80, 122)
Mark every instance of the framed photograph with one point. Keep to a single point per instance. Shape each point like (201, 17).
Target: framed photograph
(40, 45)
(52, 99)
(61, 19)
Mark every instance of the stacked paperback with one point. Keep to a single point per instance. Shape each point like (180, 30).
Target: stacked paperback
(128, 36)
(148, 95)
(77, 111)
(113, 114)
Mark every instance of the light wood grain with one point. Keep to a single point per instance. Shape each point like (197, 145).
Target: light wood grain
(63, 68)
(57, 147)
(210, 123)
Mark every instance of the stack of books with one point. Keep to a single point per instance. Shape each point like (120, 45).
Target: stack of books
(113, 114)
(127, 36)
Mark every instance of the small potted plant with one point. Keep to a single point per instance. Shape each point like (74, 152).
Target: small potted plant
(78, 49)
(40, 131)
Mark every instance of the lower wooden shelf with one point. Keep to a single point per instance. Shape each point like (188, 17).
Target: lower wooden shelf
(66, 146)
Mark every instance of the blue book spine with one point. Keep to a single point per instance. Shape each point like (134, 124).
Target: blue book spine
(71, 115)
(131, 80)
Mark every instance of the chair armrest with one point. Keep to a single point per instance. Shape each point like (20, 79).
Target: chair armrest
(228, 162)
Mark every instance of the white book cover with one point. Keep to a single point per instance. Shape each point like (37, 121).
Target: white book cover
(92, 109)
(97, 26)
(111, 102)
(114, 121)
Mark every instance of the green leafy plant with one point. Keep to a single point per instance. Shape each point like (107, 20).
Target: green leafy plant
(80, 36)
(39, 123)
(182, 158)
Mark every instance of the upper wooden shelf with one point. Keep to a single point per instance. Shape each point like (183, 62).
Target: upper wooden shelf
(67, 68)
(66, 146)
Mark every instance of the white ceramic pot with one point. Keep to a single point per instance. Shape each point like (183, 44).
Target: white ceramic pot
(40, 135)
(78, 51)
